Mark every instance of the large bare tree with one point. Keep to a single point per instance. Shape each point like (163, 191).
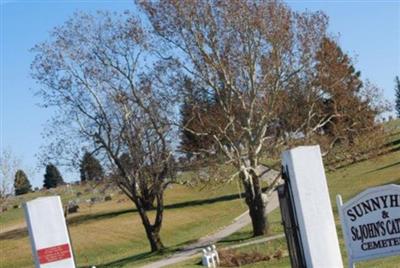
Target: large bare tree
(257, 64)
(93, 72)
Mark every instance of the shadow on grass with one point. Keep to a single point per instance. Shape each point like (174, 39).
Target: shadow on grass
(76, 220)
(391, 147)
(124, 261)
(394, 142)
(242, 236)
(134, 258)
(384, 167)
(98, 216)
(14, 234)
(237, 237)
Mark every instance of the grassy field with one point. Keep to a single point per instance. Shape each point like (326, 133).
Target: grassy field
(347, 181)
(110, 234)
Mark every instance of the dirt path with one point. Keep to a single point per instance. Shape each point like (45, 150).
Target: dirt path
(258, 241)
(240, 222)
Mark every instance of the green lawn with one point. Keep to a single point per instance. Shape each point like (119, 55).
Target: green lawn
(347, 181)
(110, 234)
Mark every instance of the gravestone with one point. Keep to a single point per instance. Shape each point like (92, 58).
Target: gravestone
(51, 246)
(371, 223)
(72, 206)
(309, 204)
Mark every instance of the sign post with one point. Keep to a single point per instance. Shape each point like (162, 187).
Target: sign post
(311, 206)
(371, 223)
(51, 246)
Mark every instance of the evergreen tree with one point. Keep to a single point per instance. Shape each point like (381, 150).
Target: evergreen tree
(52, 177)
(21, 183)
(341, 85)
(90, 168)
(194, 107)
(397, 92)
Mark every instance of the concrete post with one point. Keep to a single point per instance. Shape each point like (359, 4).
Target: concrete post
(313, 207)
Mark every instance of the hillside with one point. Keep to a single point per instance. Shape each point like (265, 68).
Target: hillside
(110, 234)
(108, 231)
(347, 181)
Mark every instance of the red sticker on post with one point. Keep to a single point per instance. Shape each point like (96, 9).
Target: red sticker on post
(52, 254)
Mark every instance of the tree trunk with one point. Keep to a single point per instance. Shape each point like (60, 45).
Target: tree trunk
(256, 204)
(152, 231)
(148, 203)
(154, 239)
(258, 218)
(147, 197)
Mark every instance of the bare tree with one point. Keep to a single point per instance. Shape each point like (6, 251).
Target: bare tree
(258, 63)
(92, 71)
(8, 167)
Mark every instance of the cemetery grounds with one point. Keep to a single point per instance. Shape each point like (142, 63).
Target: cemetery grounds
(110, 234)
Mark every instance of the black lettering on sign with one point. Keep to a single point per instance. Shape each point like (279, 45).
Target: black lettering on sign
(367, 231)
(384, 199)
(373, 204)
(351, 215)
(355, 233)
(384, 243)
(394, 200)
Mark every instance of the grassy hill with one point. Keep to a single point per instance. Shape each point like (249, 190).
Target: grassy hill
(347, 181)
(112, 231)
(110, 234)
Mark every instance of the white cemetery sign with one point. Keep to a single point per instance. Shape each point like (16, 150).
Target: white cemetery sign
(51, 246)
(313, 207)
(371, 223)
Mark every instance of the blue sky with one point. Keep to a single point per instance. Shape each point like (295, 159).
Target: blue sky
(369, 30)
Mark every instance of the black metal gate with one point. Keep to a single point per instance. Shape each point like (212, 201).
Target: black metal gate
(289, 221)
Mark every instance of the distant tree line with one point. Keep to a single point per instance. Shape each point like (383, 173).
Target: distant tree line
(90, 169)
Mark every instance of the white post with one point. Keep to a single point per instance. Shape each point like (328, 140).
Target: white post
(212, 256)
(216, 254)
(51, 246)
(313, 207)
(339, 203)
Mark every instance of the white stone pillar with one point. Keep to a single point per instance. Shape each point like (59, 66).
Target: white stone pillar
(313, 207)
(51, 246)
